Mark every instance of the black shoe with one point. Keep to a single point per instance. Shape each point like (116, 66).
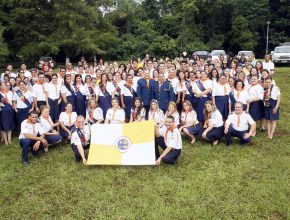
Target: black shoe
(262, 129)
(25, 163)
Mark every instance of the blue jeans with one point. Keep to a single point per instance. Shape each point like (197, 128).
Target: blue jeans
(239, 134)
(26, 145)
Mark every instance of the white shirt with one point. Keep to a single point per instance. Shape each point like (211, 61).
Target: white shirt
(64, 117)
(9, 97)
(126, 92)
(171, 138)
(27, 74)
(182, 87)
(268, 66)
(82, 88)
(109, 87)
(216, 119)
(97, 114)
(243, 97)
(53, 91)
(218, 89)
(28, 128)
(142, 113)
(116, 117)
(187, 118)
(19, 103)
(157, 116)
(174, 83)
(256, 91)
(75, 139)
(275, 92)
(38, 91)
(46, 124)
(245, 120)
(207, 84)
(65, 91)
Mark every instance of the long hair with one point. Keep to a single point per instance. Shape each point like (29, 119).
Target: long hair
(67, 85)
(188, 103)
(140, 107)
(102, 85)
(156, 102)
(76, 76)
(205, 112)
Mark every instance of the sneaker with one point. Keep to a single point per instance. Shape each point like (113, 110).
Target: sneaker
(25, 163)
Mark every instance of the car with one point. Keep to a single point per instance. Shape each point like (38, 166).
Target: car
(285, 44)
(247, 54)
(215, 54)
(48, 60)
(281, 55)
(201, 54)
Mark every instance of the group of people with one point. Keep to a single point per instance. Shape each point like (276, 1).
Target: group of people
(192, 97)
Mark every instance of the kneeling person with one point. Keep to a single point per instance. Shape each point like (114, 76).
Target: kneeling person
(80, 139)
(31, 137)
(169, 139)
(237, 125)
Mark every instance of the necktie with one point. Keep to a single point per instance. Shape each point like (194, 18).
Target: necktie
(225, 90)
(6, 97)
(147, 83)
(239, 121)
(55, 89)
(238, 95)
(113, 117)
(69, 119)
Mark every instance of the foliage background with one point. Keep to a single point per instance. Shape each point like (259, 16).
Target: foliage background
(122, 29)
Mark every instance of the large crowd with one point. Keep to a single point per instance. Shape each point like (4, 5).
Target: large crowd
(201, 99)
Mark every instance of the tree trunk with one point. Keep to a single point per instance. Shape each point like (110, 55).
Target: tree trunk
(67, 60)
(95, 58)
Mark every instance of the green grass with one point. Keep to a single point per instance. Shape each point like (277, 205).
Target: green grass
(208, 183)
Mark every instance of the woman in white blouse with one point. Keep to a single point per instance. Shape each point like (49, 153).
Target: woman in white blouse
(94, 113)
(51, 135)
(189, 123)
(115, 115)
(137, 112)
(213, 129)
(155, 113)
(172, 110)
(66, 121)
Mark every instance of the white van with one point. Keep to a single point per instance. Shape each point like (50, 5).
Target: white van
(281, 55)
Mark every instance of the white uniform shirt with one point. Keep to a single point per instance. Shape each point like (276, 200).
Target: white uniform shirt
(275, 92)
(19, 103)
(126, 92)
(82, 88)
(75, 139)
(216, 119)
(174, 83)
(97, 114)
(65, 91)
(243, 125)
(28, 128)
(115, 117)
(9, 95)
(109, 87)
(171, 138)
(47, 124)
(221, 90)
(207, 84)
(64, 117)
(187, 118)
(142, 113)
(27, 74)
(53, 91)
(39, 91)
(157, 116)
(182, 87)
(268, 66)
(242, 97)
(256, 91)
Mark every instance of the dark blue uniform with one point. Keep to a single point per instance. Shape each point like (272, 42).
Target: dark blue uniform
(145, 92)
(163, 93)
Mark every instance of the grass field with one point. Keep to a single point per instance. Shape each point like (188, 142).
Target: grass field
(208, 183)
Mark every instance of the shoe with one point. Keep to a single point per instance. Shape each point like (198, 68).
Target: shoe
(25, 163)
(262, 129)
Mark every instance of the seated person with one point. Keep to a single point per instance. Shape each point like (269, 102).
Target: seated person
(137, 112)
(237, 125)
(189, 123)
(80, 139)
(31, 137)
(169, 139)
(66, 121)
(94, 113)
(51, 135)
(213, 129)
(155, 113)
(115, 115)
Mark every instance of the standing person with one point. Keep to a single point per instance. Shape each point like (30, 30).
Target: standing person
(202, 89)
(237, 125)
(94, 113)
(53, 98)
(189, 123)
(31, 137)
(66, 121)
(169, 139)
(118, 83)
(220, 96)
(213, 129)
(137, 112)
(106, 92)
(268, 64)
(115, 115)
(80, 140)
(38, 90)
(163, 92)
(145, 90)
(7, 123)
(238, 95)
(272, 100)
(81, 95)
(48, 127)
(254, 102)
(128, 94)
(67, 92)
(155, 113)
(22, 102)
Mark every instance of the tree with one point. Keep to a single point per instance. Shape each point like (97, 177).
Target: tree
(3, 46)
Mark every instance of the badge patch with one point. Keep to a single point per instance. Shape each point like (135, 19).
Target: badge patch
(123, 144)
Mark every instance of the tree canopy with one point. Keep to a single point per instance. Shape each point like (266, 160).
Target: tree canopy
(122, 29)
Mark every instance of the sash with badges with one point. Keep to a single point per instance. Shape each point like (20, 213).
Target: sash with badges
(201, 87)
(118, 89)
(92, 92)
(20, 94)
(134, 94)
(3, 100)
(82, 137)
